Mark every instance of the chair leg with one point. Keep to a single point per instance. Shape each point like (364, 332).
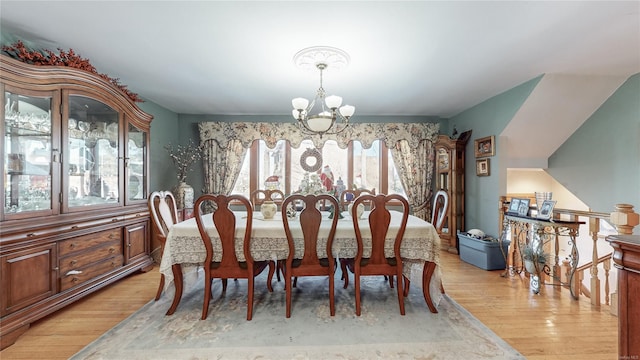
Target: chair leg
(407, 282)
(345, 273)
(287, 287)
(224, 285)
(280, 269)
(250, 297)
(207, 298)
(160, 287)
(441, 288)
(272, 269)
(400, 293)
(356, 281)
(332, 302)
(390, 280)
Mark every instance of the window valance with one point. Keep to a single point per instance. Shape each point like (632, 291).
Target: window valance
(246, 132)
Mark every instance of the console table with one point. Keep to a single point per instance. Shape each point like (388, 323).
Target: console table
(538, 233)
(626, 257)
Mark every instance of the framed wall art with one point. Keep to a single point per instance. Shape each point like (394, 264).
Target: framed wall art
(546, 210)
(485, 146)
(482, 167)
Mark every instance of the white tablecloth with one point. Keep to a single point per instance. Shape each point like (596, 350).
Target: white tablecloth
(420, 243)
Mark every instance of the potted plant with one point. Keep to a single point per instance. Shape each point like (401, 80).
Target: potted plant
(534, 257)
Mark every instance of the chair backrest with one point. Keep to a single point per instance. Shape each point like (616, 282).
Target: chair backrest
(348, 196)
(379, 223)
(310, 218)
(162, 205)
(224, 221)
(259, 196)
(439, 210)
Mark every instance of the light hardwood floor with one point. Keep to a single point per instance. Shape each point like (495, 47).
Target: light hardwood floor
(546, 326)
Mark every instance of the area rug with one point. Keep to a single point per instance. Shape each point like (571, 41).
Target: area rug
(311, 333)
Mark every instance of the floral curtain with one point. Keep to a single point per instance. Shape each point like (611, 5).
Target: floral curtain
(412, 146)
(415, 168)
(366, 133)
(222, 165)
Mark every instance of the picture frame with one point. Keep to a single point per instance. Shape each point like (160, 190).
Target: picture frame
(485, 147)
(482, 167)
(523, 207)
(546, 210)
(514, 205)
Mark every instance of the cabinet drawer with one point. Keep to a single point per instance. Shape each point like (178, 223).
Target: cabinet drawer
(84, 242)
(78, 260)
(77, 277)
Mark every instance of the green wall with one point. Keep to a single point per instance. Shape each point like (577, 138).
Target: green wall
(600, 162)
(488, 118)
(164, 130)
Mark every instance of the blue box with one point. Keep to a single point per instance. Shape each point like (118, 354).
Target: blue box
(481, 253)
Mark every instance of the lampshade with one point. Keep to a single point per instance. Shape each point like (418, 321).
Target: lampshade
(333, 101)
(347, 111)
(320, 123)
(300, 103)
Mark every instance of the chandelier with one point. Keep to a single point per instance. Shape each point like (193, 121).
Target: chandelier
(322, 119)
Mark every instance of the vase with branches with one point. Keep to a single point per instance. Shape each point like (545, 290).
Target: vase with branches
(184, 157)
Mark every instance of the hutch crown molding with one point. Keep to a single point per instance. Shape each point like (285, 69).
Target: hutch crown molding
(74, 210)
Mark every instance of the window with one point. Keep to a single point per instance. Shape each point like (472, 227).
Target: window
(280, 168)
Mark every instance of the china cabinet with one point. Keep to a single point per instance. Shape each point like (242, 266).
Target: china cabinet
(626, 258)
(74, 209)
(449, 176)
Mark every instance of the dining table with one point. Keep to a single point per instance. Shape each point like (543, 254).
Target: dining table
(419, 249)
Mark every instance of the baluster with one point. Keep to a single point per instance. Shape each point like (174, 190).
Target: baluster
(594, 228)
(607, 266)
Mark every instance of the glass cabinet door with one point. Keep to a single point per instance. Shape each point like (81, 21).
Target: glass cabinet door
(28, 154)
(135, 164)
(92, 154)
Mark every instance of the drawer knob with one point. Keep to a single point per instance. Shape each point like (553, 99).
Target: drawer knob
(72, 245)
(112, 236)
(112, 250)
(73, 262)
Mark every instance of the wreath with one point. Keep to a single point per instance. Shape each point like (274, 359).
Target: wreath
(311, 153)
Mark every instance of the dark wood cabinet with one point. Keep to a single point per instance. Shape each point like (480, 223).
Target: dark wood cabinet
(626, 257)
(449, 176)
(75, 185)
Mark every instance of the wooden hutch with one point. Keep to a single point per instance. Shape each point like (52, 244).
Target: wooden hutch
(449, 175)
(74, 212)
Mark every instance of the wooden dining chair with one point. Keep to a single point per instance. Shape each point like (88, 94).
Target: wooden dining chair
(260, 196)
(439, 210)
(439, 215)
(377, 263)
(162, 205)
(226, 264)
(348, 196)
(312, 263)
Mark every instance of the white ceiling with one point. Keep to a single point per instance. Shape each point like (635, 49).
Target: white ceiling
(407, 58)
